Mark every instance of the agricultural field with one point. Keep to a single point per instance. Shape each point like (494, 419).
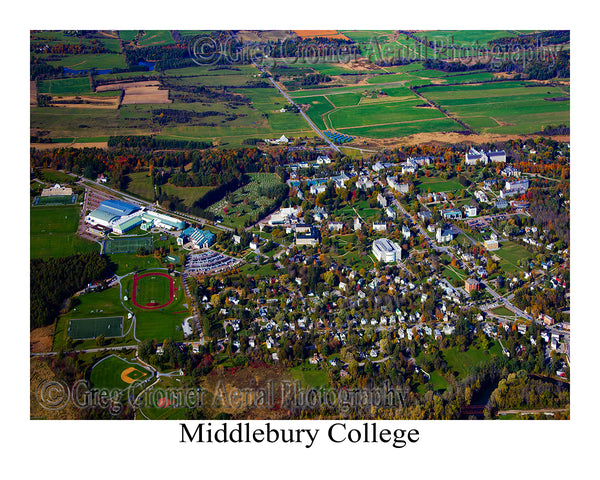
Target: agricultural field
(65, 86)
(503, 107)
(53, 232)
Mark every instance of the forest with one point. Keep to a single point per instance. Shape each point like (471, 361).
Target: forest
(53, 281)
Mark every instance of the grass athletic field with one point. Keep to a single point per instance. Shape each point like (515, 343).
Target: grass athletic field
(114, 372)
(53, 232)
(86, 328)
(55, 200)
(152, 290)
(126, 244)
(160, 322)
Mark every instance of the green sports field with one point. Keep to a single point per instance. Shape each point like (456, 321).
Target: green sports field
(55, 200)
(126, 244)
(108, 372)
(86, 328)
(153, 289)
(53, 232)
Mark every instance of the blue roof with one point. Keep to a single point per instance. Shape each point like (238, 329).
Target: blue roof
(117, 207)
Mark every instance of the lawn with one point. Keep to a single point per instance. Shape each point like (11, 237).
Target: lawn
(510, 253)
(461, 362)
(311, 377)
(436, 184)
(128, 262)
(53, 232)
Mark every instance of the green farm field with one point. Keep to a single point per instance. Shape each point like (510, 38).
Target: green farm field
(65, 86)
(53, 232)
(88, 61)
(503, 107)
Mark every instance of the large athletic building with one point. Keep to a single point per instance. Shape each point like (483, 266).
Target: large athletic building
(122, 217)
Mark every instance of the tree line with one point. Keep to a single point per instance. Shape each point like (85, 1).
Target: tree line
(54, 280)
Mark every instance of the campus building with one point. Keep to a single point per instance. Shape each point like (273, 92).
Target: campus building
(122, 217)
(386, 251)
(199, 238)
(110, 212)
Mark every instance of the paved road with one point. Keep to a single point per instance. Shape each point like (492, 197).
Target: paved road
(312, 125)
(145, 203)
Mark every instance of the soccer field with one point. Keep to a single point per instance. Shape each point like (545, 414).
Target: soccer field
(126, 245)
(152, 290)
(86, 328)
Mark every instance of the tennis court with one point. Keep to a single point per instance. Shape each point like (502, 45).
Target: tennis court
(126, 245)
(86, 328)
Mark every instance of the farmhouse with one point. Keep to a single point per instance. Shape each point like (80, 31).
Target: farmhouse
(386, 251)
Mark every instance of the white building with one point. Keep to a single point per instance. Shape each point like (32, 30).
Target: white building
(444, 234)
(473, 156)
(405, 232)
(386, 251)
(498, 156)
(470, 211)
(382, 200)
(379, 226)
(316, 189)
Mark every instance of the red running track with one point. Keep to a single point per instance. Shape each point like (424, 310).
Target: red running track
(153, 307)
